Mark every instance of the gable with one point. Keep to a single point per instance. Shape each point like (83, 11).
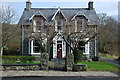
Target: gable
(60, 14)
(38, 14)
(80, 15)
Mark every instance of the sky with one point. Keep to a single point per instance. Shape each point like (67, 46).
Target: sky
(110, 8)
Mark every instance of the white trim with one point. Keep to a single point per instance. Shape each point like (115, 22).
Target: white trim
(63, 49)
(79, 14)
(87, 47)
(75, 25)
(54, 48)
(31, 17)
(35, 53)
(56, 14)
(32, 40)
(56, 25)
(55, 39)
(36, 14)
(31, 46)
(34, 26)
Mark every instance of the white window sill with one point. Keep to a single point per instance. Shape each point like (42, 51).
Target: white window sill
(35, 53)
(86, 53)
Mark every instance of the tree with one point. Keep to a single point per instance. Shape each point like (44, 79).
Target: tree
(10, 30)
(108, 34)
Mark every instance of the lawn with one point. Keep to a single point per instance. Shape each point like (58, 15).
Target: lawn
(99, 66)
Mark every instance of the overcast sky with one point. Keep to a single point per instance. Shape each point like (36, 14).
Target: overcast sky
(111, 7)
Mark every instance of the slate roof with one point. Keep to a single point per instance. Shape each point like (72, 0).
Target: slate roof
(69, 13)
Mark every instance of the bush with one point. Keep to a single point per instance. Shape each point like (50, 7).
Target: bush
(14, 59)
(95, 58)
(78, 55)
(11, 50)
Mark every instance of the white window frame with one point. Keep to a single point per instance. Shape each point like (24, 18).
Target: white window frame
(32, 47)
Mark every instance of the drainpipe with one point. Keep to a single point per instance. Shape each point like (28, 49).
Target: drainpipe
(22, 38)
(95, 44)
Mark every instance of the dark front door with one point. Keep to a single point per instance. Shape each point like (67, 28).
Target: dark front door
(59, 49)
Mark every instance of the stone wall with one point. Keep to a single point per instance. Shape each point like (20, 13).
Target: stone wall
(44, 61)
(69, 62)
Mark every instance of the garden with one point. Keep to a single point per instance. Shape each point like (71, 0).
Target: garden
(18, 59)
(99, 66)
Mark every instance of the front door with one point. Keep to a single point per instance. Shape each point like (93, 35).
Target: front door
(59, 49)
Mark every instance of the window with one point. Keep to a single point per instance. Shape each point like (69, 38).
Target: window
(38, 26)
(82, 46)
(79, 22)
(36, 47)
(59, 25)
(79, 25)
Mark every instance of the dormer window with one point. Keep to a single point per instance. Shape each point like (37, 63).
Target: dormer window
(59, 19)
(80, 21)
(38, 21)
(59, 24)
(38, 26)
(79, 24)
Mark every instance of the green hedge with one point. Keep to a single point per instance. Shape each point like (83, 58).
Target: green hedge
(15, 59)
(78, 55)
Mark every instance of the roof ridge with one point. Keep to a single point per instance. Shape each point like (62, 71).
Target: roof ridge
(60, 8)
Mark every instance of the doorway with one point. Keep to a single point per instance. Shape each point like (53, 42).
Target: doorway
(59, 49)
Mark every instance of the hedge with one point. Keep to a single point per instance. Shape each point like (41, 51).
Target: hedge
(78, 55)
(14, 59)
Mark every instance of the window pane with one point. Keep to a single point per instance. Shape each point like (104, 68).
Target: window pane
(36, 47)
(79, 22)
(38, 25)
(59, 24)
(82, 46)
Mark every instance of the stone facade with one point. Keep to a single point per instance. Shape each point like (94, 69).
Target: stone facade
(50, 25)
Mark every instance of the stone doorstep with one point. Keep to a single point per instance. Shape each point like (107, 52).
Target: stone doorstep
(57, 73)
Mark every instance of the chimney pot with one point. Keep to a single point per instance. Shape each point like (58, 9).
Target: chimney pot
(28, 5)
(90, 5)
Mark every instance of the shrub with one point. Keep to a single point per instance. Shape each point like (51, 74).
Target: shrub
(95, 58)
(78, 55)
(13, 59)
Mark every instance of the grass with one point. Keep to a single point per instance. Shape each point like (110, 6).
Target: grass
(99, 66)
(108, 56)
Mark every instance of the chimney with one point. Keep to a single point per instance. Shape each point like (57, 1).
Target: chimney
(90, 5)
(28, 5)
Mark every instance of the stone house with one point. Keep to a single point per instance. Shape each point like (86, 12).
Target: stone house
(49, 25)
